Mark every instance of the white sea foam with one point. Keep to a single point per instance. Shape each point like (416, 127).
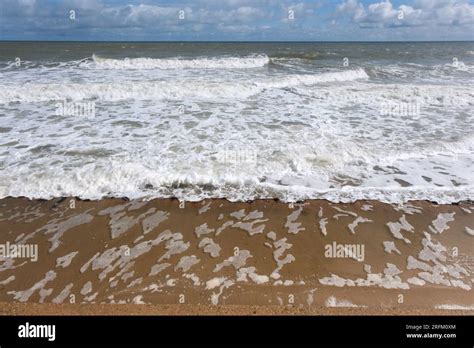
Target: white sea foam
(90, 183)
(175, 63)
(312, 79)
(186, 127)
(126, 91)
(455, 307)
(334, 302)
(175, 90)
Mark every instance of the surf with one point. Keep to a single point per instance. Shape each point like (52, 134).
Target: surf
(248, 62)
(173, 90)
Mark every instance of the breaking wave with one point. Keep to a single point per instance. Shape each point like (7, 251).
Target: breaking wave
(166, 89)
(249, 62)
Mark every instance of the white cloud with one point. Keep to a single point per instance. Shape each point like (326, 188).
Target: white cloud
(84, 4)
(144, 15)
(313, 19)
(353, 8)
(26, 2)
(421, 13)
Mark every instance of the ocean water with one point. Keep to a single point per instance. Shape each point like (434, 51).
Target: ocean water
(340, 121)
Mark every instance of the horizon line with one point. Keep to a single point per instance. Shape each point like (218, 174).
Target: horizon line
(237, 41)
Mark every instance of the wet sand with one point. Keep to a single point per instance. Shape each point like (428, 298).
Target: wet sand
(115, 256)
(227, 310)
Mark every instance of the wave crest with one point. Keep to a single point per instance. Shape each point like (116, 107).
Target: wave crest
(166, 89)
(249, 62)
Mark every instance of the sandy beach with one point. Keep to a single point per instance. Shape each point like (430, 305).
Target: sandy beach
(163, 256)
(212, 172)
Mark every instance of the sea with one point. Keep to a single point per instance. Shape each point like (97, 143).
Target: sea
(342, 121)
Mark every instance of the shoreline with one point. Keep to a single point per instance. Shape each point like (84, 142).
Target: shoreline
(165, 256)
(33, 309)
(277, 200)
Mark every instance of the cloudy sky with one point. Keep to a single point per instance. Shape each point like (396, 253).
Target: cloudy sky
(269, 20)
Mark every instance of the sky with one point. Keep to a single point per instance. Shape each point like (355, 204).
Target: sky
(237, 20)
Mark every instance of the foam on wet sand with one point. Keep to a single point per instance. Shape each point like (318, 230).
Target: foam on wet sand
(256, 253)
